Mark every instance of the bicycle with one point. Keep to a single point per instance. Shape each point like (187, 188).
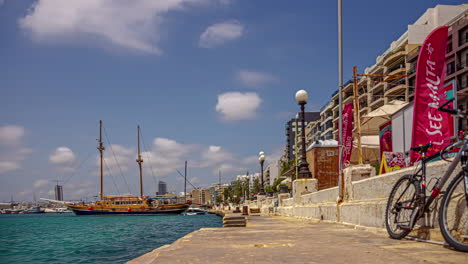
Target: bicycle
(408, 201)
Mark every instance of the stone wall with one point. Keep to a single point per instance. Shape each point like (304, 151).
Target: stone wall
(365, 202)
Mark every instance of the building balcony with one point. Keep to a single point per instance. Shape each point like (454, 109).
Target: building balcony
(394, 57)
(411, 69)
(362, 80)
(326, 131)
(377, 102)
(397, 71)
(347, 100)
(364, 111)
(348, 88)
(378, 86)
(335, 108)
(395, 90)
(330, 117)
(363, 96)
(335, 120)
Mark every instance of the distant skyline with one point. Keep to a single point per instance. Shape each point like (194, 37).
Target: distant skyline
(209, 81)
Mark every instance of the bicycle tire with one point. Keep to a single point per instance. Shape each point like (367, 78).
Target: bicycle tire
(454, 189)
(391, 216)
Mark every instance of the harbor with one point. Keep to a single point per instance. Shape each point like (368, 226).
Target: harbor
(66, 238)
(228, 131)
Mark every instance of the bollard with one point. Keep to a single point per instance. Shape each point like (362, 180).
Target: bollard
(245, 210)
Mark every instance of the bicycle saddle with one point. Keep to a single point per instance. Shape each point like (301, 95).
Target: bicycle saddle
(422, 148)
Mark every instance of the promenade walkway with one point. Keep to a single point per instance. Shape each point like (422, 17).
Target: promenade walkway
(289, 240)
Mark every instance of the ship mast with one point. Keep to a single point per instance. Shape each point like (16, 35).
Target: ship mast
(101, 151)
(139, 161)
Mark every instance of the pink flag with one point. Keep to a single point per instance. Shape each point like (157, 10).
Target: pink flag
(429, 124)
(347, 134)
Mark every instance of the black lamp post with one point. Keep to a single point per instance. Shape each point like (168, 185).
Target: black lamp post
(301, 98)
(261, 158)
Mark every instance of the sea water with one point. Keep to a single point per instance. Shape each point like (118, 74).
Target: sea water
(66, 238)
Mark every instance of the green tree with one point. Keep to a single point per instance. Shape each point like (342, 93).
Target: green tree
(286, 165)
(238, 188)
(256, 185)
(226, 195)
(276, 183)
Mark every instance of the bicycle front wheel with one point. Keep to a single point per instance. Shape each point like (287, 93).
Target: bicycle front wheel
(400, 207)
(453, 214)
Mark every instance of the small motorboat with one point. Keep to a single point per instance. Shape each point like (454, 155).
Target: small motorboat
(35, 210)
(195, 211)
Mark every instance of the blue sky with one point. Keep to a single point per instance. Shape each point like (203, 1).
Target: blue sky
(210, 81)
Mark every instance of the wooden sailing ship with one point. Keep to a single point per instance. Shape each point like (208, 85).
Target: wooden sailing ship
(128, 204)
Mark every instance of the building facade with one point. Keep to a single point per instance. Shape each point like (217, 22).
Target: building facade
(291, 131)
(201, 196)
(271, 172)
(162, 188)
(400, 59)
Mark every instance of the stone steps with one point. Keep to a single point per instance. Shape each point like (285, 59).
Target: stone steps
(234, 221)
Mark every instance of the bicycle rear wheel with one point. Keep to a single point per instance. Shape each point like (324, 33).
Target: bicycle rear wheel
(400, 207)
(453, 214)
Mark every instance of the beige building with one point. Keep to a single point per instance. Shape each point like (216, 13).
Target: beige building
(201, 196)
(400, 59)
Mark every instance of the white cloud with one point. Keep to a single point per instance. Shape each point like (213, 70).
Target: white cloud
(40, 183)
(218, 34)
(235, 106)
(214, 148)
(62, 155)
(118, 158)
(166, 156)
(255, 79)
(213, 156)
(11, 135)
(7, 166)
(250, 160)
(135, 25)
(11, 151)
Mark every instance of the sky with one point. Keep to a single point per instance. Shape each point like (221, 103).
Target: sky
(209, 81)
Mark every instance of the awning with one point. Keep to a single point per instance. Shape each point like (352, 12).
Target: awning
(368, 142)
(371, 122)
(323, 143)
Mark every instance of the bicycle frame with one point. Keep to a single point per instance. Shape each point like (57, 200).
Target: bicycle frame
(461, 156)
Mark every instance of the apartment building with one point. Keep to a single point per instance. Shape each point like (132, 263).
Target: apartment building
(400, 59)
(291, 131)
(201, 196)
(271, 172)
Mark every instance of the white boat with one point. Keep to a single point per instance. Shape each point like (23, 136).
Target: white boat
(195, 211)
(35, 210)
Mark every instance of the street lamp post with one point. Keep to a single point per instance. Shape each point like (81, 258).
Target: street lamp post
(301, 98)
(261, 158)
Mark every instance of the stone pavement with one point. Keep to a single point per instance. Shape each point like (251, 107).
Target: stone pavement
(290, 240)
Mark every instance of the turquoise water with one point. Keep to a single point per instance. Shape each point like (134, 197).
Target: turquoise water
(66, 238)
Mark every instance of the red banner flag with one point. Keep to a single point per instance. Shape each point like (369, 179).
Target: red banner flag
(347, 134)
(429, 124)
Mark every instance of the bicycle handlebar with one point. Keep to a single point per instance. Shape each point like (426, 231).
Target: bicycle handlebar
(456, 112)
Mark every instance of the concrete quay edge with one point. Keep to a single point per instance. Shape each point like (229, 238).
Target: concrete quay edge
(316, 242)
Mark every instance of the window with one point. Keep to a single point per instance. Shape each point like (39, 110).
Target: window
(449, 47)
(450, 68)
